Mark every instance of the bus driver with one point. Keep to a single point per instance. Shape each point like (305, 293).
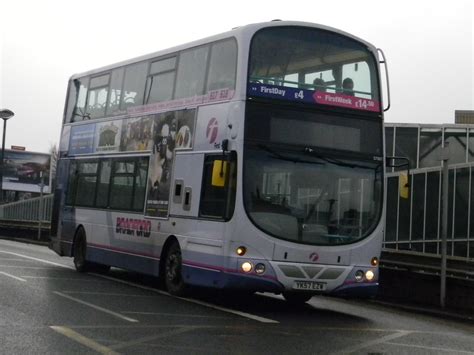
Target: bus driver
(348, 87)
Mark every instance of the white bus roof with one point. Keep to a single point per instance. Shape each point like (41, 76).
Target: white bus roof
(244, 32)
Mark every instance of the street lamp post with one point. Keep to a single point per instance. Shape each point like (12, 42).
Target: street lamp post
(5, 115)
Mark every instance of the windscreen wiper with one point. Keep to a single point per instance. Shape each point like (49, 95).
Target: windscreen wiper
(277, 155)
(314, 153)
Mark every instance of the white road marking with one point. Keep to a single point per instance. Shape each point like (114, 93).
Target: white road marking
(191, 300)
(25, 267)
(187, 315)
(354, 348)
(91, 344)
(59, 278)
(153, 337)
(130, 284)
(228, 310)
(36, 259)
(449, 351)
(12, 276)
(14, 259)
(222, 309)
(105, 294)
(115, 314)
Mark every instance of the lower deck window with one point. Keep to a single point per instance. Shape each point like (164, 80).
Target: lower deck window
(113, 183)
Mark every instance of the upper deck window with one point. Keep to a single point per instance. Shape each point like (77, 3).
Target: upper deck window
(76, 104)
(192, 72)
(97, 96)
(318, 65)
(189, 73)
(134, 85)
(160, 82)
(222, 65)
(116, 81)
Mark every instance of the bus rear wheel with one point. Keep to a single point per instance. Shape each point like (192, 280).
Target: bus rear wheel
(297, 298)
(173, 266)
(80, 250)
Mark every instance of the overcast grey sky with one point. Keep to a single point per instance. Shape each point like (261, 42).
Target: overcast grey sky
(429, 46)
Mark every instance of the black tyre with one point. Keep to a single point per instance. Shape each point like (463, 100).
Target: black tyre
(80, 251)
(296, 297)
(173, 266)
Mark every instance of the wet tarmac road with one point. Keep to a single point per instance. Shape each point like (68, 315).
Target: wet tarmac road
(46, 307)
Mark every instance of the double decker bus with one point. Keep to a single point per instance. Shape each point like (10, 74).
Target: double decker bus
(250, 160)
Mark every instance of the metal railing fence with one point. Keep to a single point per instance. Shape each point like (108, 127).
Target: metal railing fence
(28, 210)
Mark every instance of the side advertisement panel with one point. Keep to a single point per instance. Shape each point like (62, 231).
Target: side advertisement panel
(173, 130)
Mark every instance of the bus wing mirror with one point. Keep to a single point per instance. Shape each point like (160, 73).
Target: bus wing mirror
(219, 173)
(398, 162)
(387, 83)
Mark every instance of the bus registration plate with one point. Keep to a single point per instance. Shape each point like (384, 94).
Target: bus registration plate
(309, 285)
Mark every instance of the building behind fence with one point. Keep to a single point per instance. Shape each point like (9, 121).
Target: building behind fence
(415, 223)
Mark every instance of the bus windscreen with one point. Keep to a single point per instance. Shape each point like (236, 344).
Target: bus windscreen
(313, 66)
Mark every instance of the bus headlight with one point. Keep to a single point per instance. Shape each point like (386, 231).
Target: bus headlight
(246, 266)
(260, 268)
(369, 275)
(359, 276)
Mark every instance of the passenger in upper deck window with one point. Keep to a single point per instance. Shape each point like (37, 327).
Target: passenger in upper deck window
(348, 87)
(319, 85)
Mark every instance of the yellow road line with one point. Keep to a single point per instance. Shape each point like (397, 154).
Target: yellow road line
(91, 344)
(143, 340)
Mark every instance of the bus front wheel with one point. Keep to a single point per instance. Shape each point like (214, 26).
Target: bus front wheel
(80, 250)
(173, 265)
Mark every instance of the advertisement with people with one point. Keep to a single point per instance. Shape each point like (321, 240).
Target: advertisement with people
(137, 134)
(172, 130)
